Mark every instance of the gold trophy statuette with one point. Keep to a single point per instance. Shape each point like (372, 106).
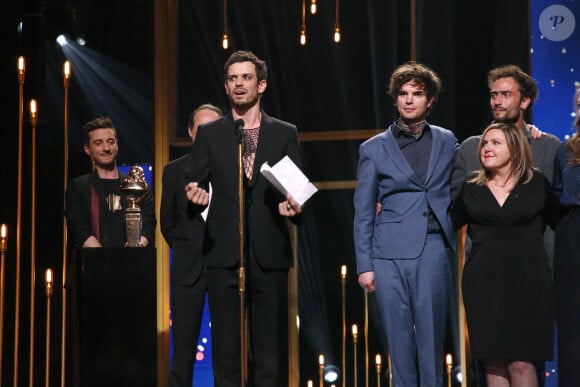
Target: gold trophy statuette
(134, 187)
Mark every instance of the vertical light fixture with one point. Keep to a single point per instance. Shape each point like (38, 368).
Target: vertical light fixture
(313, 7)
(343, 283)
(3, 248)
(48, 291)
(336, 22)
(303, 26)
(66, 83)
(225, 37)
(354, 344)
(21, 71)
(378, 362)
(33, 123)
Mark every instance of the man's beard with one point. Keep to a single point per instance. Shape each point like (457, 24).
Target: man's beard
(508, 119)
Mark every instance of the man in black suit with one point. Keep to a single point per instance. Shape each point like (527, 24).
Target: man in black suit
(268, 251)
(183, 231)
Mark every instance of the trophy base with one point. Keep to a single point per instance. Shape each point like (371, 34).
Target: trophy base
(133, 226)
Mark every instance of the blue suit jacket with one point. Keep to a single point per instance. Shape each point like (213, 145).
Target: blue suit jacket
(399, 230)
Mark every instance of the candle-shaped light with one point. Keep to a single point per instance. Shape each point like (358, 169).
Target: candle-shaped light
(309, 383)
(33, 112)
(48, 282)
(66, 69)
(3, 237)
(313, 7)
(21, 69)
(449, 363)
(378, 362)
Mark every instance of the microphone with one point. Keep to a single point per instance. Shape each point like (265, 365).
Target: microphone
(239, 125)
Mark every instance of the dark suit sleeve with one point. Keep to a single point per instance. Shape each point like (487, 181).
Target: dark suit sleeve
(168, 215)
(198, 170)
(77, 211)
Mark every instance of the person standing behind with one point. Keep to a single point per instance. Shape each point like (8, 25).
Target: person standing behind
(507, 282)
(183, 231)
(268, 249)
(511, 91)
(94, 206)
(567, 256)
(403, 250)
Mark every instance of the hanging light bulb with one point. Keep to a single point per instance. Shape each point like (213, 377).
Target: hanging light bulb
(303, 27)
(313, 7)
(225, 37)
(336, 22)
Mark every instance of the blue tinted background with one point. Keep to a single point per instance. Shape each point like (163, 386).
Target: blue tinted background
(555, 56)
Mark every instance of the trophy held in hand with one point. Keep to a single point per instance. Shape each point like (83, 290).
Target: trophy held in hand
(134, 187)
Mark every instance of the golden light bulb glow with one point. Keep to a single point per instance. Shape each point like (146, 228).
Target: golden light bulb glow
(21, 65)
(378, 360)
(48, 276)
(313, 7)
(337, 35)
(225, 42)
(448, 359)
(309, 383)
(321, 359)
(32, 106)
(3, 231)
(343, 271)
(67, 69)
(354, 330)
(302, 38)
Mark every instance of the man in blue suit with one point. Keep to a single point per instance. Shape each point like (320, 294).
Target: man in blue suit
(403, 244)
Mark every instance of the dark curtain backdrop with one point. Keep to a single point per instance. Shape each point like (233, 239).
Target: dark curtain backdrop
(322, 86)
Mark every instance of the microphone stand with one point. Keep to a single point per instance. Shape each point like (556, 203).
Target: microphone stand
(242, 268)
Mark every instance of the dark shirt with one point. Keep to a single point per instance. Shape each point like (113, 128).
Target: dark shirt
(417, 152)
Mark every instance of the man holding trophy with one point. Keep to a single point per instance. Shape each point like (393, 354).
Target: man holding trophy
(106, 208)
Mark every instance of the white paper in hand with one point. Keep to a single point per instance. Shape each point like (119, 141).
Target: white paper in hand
(289, 180)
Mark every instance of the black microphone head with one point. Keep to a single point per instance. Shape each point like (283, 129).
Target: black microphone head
(239, 125)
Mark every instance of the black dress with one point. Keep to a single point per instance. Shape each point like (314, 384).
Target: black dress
(507, 284)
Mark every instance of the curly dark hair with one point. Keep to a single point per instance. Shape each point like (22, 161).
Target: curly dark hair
(526, 84)
(247, 56)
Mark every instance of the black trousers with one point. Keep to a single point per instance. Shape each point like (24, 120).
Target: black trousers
(186, 313)
(267, 322)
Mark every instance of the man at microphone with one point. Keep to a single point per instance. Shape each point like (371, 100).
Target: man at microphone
(268, 251)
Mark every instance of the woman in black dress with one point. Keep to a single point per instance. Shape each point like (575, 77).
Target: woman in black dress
(507, 285)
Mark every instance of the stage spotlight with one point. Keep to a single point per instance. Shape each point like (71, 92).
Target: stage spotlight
(61, 40)
(81, 41)
(331, 373)
(457, 375)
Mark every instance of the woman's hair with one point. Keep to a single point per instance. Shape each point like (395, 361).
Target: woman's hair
(520, 154)
(574, 142)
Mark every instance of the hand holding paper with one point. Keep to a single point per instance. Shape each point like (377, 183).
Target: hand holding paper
(289, 180)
